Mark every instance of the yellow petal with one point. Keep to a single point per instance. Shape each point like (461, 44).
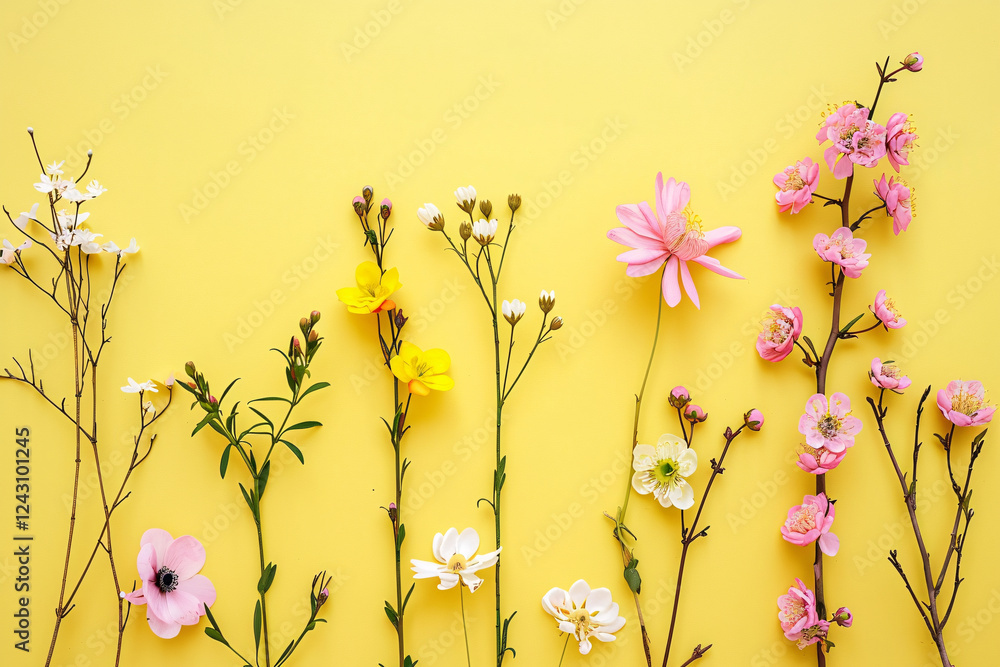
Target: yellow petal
(410, 352)
(438, 382)
(367, 273)
(390, 280)
(419, 388)
(349, 295)
(437, 361)
(400, 369)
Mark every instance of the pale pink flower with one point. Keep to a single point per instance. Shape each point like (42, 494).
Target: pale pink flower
(898, 198)
(887, 376)
(796, 185)
(844, 250)
(781, 328)
(812, 521)
(964, 403)
(885, 310)
(674, 236)
(899, 139)
(172, 590)
(695, 414)
(913, 62)
(679, 397)
(828, 424)
(819, 461)
(854, 138)
(797, 610)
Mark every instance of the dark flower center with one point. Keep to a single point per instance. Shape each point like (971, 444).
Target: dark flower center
(166, 580)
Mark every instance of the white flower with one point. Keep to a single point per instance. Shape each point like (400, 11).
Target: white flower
(457, 560)
(584, 613)
(134, 387)
(68, 221)
(484, 231)
(21, 221)
(466, 196)
(55, 168)
(130, 250)
(111, 246)
(8, 251)
(87, 240)
(75, 196)
(95, 189)
(547, 300)
(513, 310)
(661, 471)
(428, 213)
(46, 184)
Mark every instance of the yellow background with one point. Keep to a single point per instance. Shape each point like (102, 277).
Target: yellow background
(576, 106)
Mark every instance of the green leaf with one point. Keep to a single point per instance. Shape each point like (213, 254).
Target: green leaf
(211, 618)
(256, 624)
(315, 387)
(267, 578)
(217, 427)
(216, 635)
(284, 654)
(224, 463)
(249, 499)
(303, 425)
(400, 537)
(408, 594)
(311, 626)
(223, 397)
(265, 472)
(632, 578)
(391, 613)
(847, 327)
(271, 398)
(264, 417)
(295, 450)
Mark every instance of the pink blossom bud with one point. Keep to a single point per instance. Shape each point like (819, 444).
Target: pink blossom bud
(213, 400)
(754, 419)
(314, 316)
(679, 397)
(367, 193)
(385, 208)
(695, 414)
(914, 62)
(844, 617)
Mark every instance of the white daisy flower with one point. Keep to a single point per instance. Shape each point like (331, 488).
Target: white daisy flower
(457, 560)
(584, 613)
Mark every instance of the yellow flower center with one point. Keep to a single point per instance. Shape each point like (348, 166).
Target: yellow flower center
(582, 620)
(803, 520)
(793, 180)
(777, 327)
(966, 403)
(891, 371)
(829, 425)
(457, 563)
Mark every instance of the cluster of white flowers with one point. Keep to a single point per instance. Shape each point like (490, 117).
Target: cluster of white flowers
(70, 233)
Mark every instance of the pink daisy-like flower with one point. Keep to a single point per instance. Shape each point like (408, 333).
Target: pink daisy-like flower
(964, 403)
(172, 590)
(673, 236)
(885, 310)
(819, 461)
(887, 376)
(844, 250)
(854, 139)
(899, 139)
(796, 185)
(898, 198)
(812, 521)
(780, 329)
(828, 424)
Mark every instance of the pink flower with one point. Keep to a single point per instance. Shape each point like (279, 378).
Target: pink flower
(887, 376)
(819, 461)
(754, 419)
(964, 403)
(913, 62)
(828, 424)
(898, 200)
(797, 610)
(844, 250)
(854, 138)
(796, 184)
(812, 521)
(844, 618)
(899, 139)
(885, 309)
(172, 590)
(781, 328)
(679, 397)
(695, 414)
(674, 237)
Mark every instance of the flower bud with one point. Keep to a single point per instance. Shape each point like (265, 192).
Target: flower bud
(367, 193)
(844, 618)
(913, 62)
(304, 325)
(695, 414)
(323, 596)
(556, 323)
(213, 401)
(359, 205)
(313, 336)
(385, 209)
(393, 512)
(193, 385)
(314, 316)
(513, 311)
(514, 202)
(547, 301)
(31, 130)
(754, 419)
(486, 207)
(400, 320)
(679, 397)
(465, 231)
(190, 369)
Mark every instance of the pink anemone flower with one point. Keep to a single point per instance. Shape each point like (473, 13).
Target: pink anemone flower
(964, 403)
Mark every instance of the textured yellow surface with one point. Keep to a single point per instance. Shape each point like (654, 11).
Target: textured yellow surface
(232, 136)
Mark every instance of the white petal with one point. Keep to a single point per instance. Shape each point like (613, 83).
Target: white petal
(599, 600)
(471, 580)
(468, 542)
(688, 462)
(578, 592)
(449, 545)
(554, 600)
(448, 581)
(682, 494)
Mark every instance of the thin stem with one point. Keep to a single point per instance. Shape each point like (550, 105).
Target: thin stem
(562, 656)
(461, 596)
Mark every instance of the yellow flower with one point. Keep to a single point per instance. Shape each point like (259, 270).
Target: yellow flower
(373, 290)
(422, 371)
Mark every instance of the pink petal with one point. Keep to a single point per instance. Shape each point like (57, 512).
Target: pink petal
(135, 597)
(627, 237)
(671, 289)
(829, 544)
(633, 217)
(146, 562)
(156, 601)
(160, 539)
(672, 196)
(185, 557)
(182, 607)
(715, 266)
(722, 235)
(689, 284)
(200, 587)
(161, 628)
(639, 270)
(641, 255)
(843, 169)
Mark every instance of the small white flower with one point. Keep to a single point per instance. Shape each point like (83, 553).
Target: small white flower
(148, 408)
(134, 387)
(547, 300)
(513, 310)
(661, 471)
(8, 251)
(46, 184)
(130, 250)
(466, 196)
(68, 221)
(87, 240)
(75, 196)
(95, 189)
(428, 213)
(21, 221)
(111, 247)
(457, 560)
(483, 231)
(584, 613)
(55, 168)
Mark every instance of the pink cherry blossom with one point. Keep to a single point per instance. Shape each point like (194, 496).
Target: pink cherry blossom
(819, 461)
(844, 250)
(899, 139)
(964, 403)
(812, 521)
(172, 590)
(796, 184)
(828, 424)
(887, 376)
(798, 617)
(898, 200)
(885, 309)
(781, 328)
(674, 236)
(854, 138)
